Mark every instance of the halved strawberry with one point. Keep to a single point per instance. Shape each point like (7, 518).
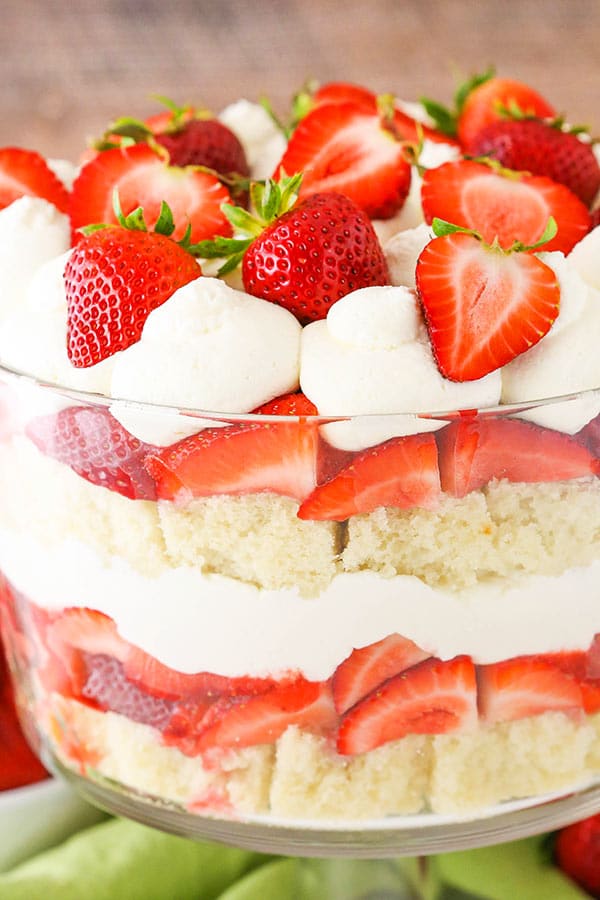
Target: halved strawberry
(582, 667)
(353, 151)
(295, 404)
(483, 306)
(142, 178)
(107, 687)
(508, 206)
(401, 472)
(405, 125)
(160, 680)
(472, 453)
(26, 173)
(519, 688)
(88, 631)
(434, 697)
(482, 99)
(487, 102)
(92, 443)
(238, 459)
(263, 719)
(368, 667)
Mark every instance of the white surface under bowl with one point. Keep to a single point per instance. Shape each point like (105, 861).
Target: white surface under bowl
(39, 816)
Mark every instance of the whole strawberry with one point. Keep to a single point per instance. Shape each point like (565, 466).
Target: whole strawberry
(303, 256)
(578, 853)
(482, 99)
(541, 148)
(205, 142)
(115, 277)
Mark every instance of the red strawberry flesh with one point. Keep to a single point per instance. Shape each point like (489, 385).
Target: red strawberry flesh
(91, 442)
(434, 697)
(26, 173)
(482, 307)
(401, 472)
(347, 148)
(370, 666)
(473, 453)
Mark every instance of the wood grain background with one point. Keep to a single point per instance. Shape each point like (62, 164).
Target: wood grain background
(66, 68)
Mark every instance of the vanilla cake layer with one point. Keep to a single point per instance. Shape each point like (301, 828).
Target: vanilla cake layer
(301, 777)
(503, 531)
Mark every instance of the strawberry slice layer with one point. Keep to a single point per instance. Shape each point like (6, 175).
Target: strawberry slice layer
(518, 688)
(507, 207)
(263, 719)
(95, 445)
(240, 459)
(435, 697)
(142, 178)
(346, 148)
(25, 173)
(483, 307)
(367, 668)
(472, 453)
(401, 472)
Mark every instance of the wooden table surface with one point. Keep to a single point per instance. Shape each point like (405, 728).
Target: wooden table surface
(66, 69)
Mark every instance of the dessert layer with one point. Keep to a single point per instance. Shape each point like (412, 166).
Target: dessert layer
(506, 530)
(302, 778)
(194, 623)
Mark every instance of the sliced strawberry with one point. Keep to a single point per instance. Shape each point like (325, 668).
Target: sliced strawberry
(24, 173)
(435, 697)
(589, 436)
(88, 631)
(296, 404)
(352, 151)
(263, 719)
(366, 668)
(239, 459)
(401, 472)
(472, 453)
(107, 687)
(344, 92)
(519, 688)
(161, 681)
(486, 103)
(92, 443)
(404, 125)
(483, 307)
(507, 207)
(143, 179)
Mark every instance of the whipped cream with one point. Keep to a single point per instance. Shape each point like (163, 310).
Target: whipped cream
(372, 356)
(585, 258)
(565, 361)
(263, 142)
(34, 337)
(402, 252)
(193, 622)
(32, 231)
(208, 347)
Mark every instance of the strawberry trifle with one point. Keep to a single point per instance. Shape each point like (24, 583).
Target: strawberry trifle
(299, 457)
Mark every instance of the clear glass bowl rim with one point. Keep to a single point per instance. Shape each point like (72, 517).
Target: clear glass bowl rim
(92, 398)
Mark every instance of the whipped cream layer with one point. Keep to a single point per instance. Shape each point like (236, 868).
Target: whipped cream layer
(193, 622)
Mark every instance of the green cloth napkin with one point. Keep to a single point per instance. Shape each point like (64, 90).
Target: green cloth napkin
(121, 860)
(515, 871)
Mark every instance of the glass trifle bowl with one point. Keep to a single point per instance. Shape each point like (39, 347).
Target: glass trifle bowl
(260, 635)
